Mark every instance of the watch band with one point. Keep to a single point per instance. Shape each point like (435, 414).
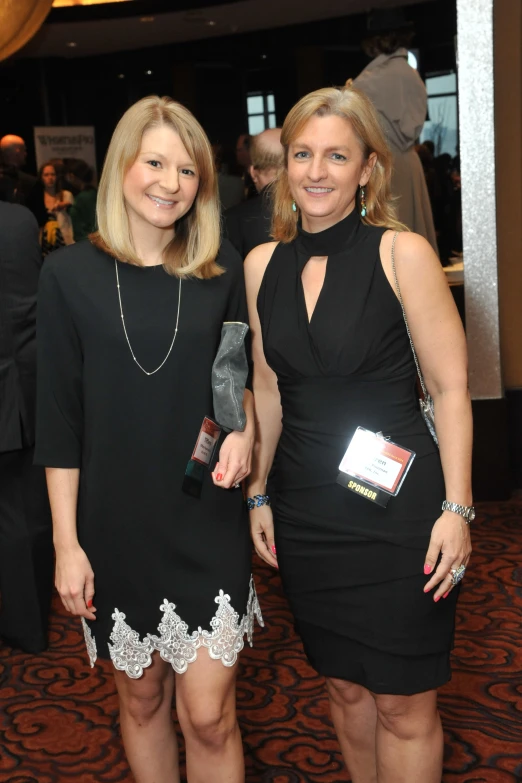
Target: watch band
(467, 512)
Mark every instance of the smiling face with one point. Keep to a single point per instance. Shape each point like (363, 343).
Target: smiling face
(49, 177)
(162, 183)
(326, 166)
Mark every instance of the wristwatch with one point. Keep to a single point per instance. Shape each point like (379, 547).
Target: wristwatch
(468, 512)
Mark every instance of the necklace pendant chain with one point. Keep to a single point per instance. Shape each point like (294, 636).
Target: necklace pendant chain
(152, 372)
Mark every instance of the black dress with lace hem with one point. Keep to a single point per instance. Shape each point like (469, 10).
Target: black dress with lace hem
(172, 572)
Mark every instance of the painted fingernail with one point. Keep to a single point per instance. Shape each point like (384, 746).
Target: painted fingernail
(89, 603)
(219, 477)
(446, 594)
(427, 589)
(437, 598)
(427, 569)
(273, 549)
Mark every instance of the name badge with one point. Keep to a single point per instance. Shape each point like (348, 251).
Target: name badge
(374, 467)
(206, 442)
(201, 457)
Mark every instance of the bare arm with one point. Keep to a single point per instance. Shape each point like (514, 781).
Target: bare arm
(440, 343)
(74, 575)
(267, 408)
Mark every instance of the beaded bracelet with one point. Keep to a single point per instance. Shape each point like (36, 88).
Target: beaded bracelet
(257, 501)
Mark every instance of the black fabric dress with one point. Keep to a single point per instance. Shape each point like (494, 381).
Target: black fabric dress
(352, 570)
(172, 572)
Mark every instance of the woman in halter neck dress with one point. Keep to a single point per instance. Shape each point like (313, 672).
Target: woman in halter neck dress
(372, 588)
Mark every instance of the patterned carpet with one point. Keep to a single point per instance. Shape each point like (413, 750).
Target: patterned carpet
(58, 718)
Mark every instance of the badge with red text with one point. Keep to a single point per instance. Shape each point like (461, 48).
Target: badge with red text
(374, 467)
(206, 442)
(202, 455)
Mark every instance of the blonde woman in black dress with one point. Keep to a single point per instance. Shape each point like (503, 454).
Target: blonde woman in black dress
(371, 587)
(129, 325)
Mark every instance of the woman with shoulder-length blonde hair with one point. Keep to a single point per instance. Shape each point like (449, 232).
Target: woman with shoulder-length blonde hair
(371, 528)
(152, 550)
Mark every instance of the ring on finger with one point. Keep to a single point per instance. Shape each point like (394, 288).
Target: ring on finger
(457, 574)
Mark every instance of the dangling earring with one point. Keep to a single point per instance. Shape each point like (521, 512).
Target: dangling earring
(363, 202)
(294, 206)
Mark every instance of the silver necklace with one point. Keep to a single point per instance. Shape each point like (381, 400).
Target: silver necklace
(125, 328)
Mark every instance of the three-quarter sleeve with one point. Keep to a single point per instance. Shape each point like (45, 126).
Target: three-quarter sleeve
(59, 406)
(237, 309)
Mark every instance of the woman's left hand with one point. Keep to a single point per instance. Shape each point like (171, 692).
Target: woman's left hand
(451, 539)
(235, 459)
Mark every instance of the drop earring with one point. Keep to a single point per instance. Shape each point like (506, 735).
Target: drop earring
(363, 202)
(294, 206)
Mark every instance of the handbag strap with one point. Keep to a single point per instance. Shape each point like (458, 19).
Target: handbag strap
(417, 365)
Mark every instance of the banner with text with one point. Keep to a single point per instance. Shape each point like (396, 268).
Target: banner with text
(65, 142)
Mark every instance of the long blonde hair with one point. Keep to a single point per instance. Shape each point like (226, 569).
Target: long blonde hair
(195, 246)
(352, 105)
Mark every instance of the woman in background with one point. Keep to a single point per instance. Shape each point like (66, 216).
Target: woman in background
(80, 176)
(57, 230)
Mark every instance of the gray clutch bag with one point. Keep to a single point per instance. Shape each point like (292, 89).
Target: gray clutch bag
(229, 376)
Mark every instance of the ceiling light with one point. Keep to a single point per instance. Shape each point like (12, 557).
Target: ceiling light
(263, 56)
(211, 23)
(71, 44)
(64, 3)
(121, 76)
(149, 73)
(147, 19)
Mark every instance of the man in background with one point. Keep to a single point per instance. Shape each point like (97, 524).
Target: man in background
(230, 186)
(26, 550)
(248, 224)
(13, 155)
(243, 162)
(400, 98)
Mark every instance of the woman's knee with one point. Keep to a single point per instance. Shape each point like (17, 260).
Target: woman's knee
(344, 693)
(408, 717)
(142, 699)
(209, 725)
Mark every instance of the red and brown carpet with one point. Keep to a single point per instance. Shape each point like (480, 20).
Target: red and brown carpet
(58, 718)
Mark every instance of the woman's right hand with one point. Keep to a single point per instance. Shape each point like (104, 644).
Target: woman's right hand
(74, 581)
(262, 532)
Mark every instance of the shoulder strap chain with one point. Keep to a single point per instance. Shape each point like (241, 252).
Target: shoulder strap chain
(417, 365)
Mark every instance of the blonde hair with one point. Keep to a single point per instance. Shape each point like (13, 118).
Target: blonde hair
(195, 246)
(352, 105)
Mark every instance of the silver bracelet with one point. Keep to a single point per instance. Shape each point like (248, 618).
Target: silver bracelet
(467, 512)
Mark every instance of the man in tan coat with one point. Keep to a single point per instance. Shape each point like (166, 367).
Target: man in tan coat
(399, 95)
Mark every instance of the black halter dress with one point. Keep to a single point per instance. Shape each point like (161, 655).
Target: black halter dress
(352, 571)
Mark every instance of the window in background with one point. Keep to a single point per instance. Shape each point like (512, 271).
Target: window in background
(442, 126)
(261, 112)
(413, 58)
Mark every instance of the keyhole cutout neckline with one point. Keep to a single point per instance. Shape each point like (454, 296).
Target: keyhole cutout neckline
(310, 315)
(323, 244)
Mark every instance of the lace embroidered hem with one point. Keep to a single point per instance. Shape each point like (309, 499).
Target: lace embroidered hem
(90, 643)
(224, 641)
